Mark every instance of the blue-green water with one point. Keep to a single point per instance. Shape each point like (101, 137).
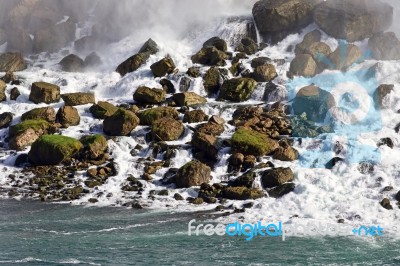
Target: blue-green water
(35, 233)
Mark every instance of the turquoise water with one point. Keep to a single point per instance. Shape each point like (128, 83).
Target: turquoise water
(36, 233)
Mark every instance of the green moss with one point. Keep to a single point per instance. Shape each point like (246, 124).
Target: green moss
(147, 117)
(251, 142)
(96, 144)
(36, 125)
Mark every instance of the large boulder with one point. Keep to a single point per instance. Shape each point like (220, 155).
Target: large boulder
(163, 67)
(94, 145)
(53, 149)
(145, 94)
(353, 20)
(43, 92)
(303, 65)
(385, 46)
(134, 62)
(121, 123)
(68, 116)
(26, 132)
(78, 98)
(12, 62)
(102, 110)
(342, 59)
(277, 18)
(276, 177)
(216, 42)
(237, 90)
(44, 113)
(188, 99)
(206, 143)
(5, 119)
(250, 142)
(264, 73)
(147, 117)
(166, 129)
(194, 173)
(313, 101)
(72, 63)
(210, 56)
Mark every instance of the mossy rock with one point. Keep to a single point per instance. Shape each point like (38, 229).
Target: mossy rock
(36, 125)
(194, 173)
(44, 113)
(167, 129)
(238, 89)
(242, 193)
(53, 149)
(254, 143)
(78, 98)
(102, 110)
(147, 117)
(96, 144)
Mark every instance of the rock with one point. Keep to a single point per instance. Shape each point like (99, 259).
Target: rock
(3, 87)
(249, 162)
(86, 43)
(251, 142)
(188, 99)
(78, 98)
(366, 167)
(55, 37)
(94, 145)
(276, 177)
(147, 95)
(247, 46)
(386, 142)
(286, 154)
(166, 129)
(121, 123)
(281, 190)
(92, 60)
(205, 143)
(216, 42)
(193, 72)
(102, 110)
(264, 73)
(163, 67)
(194, 173)
(210, 56)
(260, 61)
(212, 80)
(237, 90)
(53, 149)
(397, 197)
(245, 180)
(14, 93)
(8, 77)
(5, 119)
(385, 203)
(44, 113)
(211, 128)
(385, 46)
(235, 162)
(197, 201)
(184, 84)
(178, 196)
(313, 101)
(12, 62)
(25, 133)
(282, 17)
(309, 39)
(353, 20)
(68, 116)
(134, 62)
(43, 92)
(194, 116)
(303, 65)
(167, 86)
(216, 120)
(72, 63)
(242, 193)
(342, 60)
(147, 117)
(381, 94)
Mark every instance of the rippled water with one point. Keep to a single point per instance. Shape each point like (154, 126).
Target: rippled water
(35, 233)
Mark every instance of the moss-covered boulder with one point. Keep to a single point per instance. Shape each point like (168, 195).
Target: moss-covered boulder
(242, 193)
(43, 92)
(121, 123)
(147, 117)
(68, 116)
(94, 145)
(210, 56)
(254, 143)
(163, 67)
(188, 99)
(145, 94)
(78, 98)
(44, 113)
(237, 90)
(25, 133)
(194, 173)
(276, 177)
(53, 149)
(102, 110)
(167, 129)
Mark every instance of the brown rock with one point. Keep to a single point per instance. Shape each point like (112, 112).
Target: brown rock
(43, 92)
